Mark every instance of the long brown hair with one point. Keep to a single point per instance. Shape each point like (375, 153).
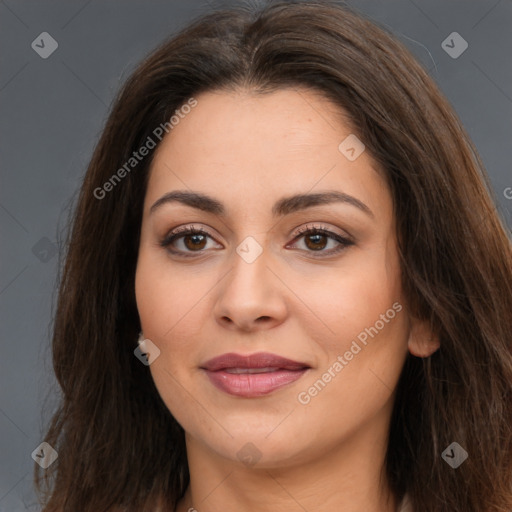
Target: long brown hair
(119, 447)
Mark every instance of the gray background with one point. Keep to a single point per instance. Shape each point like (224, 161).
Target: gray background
(53, 110)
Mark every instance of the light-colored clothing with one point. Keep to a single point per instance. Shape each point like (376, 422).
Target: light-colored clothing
(405, 506)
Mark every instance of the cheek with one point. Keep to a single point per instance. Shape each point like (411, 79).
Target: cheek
(151, 302)
(363, 354)
(163, 315)
(165, 298)
(172, 306)
(353, 299)
(362, 336)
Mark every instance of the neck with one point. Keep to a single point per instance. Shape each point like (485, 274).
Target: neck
(348, 477)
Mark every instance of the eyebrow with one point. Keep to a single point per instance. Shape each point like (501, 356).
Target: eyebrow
(283, 206)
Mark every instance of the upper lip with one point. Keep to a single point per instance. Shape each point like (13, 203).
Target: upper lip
(259, 360)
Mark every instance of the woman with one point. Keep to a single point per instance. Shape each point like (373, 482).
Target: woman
(286, 214)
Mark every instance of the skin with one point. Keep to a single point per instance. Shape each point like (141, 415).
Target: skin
(248, 151)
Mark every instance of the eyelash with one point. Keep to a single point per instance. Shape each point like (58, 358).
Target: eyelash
(307, 230)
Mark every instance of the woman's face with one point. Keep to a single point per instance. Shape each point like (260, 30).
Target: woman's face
(255, 281)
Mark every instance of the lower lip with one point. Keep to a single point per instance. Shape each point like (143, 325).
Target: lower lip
(250, 385)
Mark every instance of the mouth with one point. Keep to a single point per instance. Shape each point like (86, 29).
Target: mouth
(254, 375)
(252, 370)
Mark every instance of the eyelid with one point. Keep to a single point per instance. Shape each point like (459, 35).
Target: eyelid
(344, 240)
(184, 230)
(321, 227)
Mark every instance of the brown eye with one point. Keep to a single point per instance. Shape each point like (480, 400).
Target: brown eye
(316, 239)
(193, 241)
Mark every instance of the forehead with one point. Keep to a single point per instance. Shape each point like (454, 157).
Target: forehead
(243, 146)
(266, 124)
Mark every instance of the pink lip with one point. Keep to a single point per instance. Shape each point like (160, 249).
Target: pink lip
(259, 360)
(251, 385)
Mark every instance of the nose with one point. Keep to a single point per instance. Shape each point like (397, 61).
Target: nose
(251, 296)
